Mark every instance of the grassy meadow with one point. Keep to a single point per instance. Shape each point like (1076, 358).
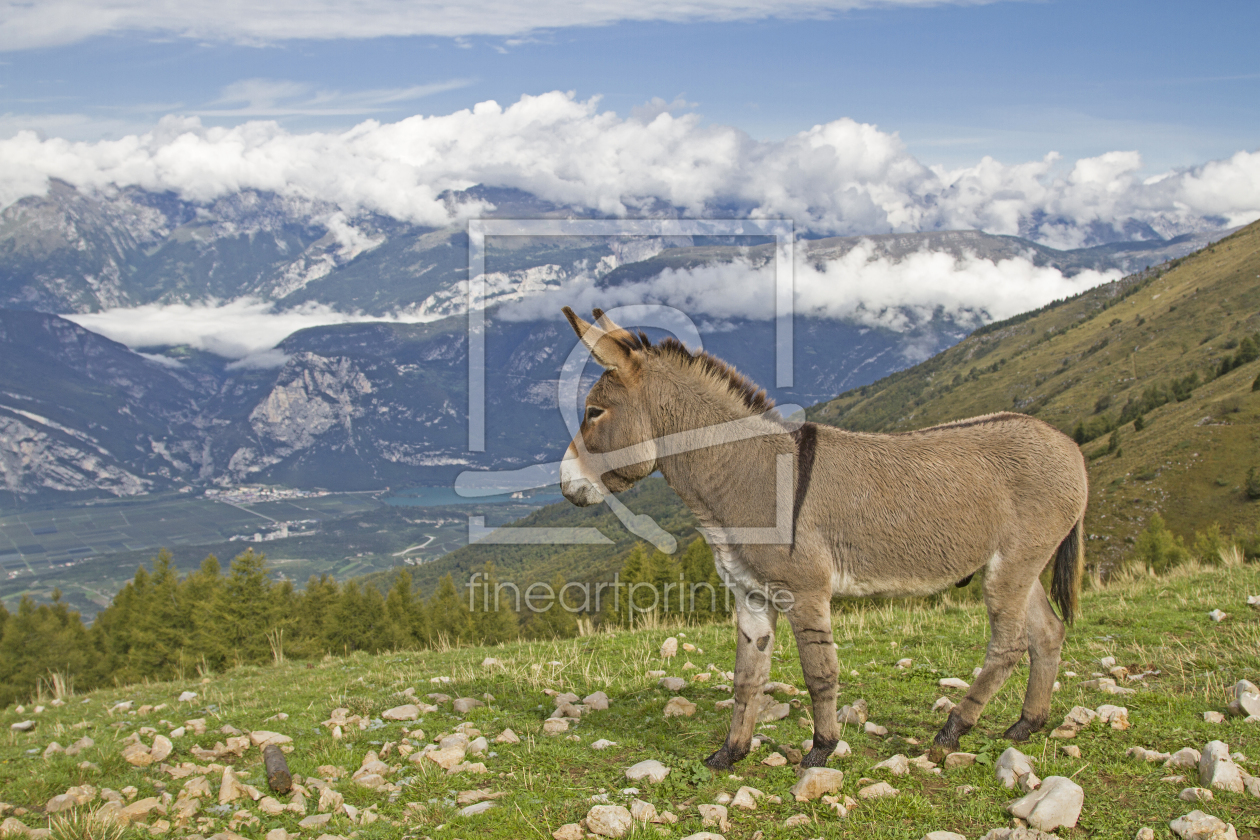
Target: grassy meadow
(1148, 624)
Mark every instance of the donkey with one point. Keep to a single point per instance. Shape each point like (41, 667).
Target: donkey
(855, 515)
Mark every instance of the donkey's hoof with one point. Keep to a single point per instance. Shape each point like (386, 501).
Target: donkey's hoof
(1022, 730)
(819, 752)
(946, 741)
(720, 760)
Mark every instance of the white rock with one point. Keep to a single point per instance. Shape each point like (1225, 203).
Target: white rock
(815, 782)
(954, 682)
(854, 713)
(22, 726)
(898, 765)
(669, 648)
(609, 821)
(774, 711)
(1184, 757)
(746, 797)
(877, 791)
(507, 736)
(672, 683)
(1010, 766)
(651, 770)
(597, 701)
(959, 759)
(1056, 803)
(679, 707)
(555, 726)
(1217, 770)
(1217, 615)
(943, 835)
(408, 711)
(943, 704)
(1145, 833)
(1117, 716)
(187, 696)
(774, 760)
(1197, 825)
(1196, 794)
(1213, 717)
(478, 808)
(875, 729)
(905, 663)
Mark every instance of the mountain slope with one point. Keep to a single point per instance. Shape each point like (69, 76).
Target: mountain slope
(1098, 361)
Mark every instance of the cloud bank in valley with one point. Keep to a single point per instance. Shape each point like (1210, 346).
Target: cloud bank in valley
(842, 177)
(25, 25)
(246, 329)
(861, 286)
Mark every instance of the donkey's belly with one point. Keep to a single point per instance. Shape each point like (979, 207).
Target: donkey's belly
(845, 583)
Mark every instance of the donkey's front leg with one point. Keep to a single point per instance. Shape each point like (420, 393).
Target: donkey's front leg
(754, 645)
(811, 623)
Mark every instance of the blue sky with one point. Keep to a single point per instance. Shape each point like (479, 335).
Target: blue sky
(1177, 82)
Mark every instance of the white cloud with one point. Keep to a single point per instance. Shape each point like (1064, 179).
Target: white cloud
(27, 25)
(842, 177)
(244, 329)
(282, 98)
(861, 285)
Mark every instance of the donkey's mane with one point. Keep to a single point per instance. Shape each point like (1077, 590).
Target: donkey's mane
(741, 387)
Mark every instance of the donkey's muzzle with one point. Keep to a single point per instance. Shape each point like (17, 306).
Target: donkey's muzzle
(576, 487)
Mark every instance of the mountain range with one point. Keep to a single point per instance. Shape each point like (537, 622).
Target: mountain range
(367, 404)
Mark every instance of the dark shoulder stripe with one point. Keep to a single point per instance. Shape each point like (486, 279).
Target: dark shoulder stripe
(806, 439)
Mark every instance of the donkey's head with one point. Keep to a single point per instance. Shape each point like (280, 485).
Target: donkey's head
(614, 448)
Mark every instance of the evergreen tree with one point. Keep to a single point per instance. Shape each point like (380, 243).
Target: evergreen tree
(242, 613)
(314, 607)
(493, 620)
(38, 642)
(399, 612)
(553, 621)
(449, 615)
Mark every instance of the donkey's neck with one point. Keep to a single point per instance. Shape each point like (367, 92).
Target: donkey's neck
(725, 484)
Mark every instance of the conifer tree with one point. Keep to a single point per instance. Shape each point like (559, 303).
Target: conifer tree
(494, 621)
(449, 615)
(243, 612)
(399, 615)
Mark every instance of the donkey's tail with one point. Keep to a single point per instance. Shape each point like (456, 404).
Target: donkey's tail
(1065, 587)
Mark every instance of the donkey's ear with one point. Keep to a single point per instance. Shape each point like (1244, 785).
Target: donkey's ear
(611, 346)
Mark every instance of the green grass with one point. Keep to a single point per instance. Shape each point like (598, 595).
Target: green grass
(1153, 623)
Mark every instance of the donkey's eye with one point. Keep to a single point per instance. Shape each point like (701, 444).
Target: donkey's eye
(592, 413)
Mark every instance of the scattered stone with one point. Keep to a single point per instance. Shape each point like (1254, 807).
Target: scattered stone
(898, 765)
(1117, 716)
(464, 705)
(1217, 615)
(570, 831)
(875, 729)
(924, 763)
(943, 835)
(1018, 833)
(555, 726)
(905, 663)
(1184, 757)
(409, 711)
(943, 704)
(774, 760)
(231, 788)
(1197, 825)
(854, 713)
(672, 683)
(603, 744)
(669, 648)
(877, 791)
(1143, 754)
(1011, 766)
(1072, 750)
(261, 738)
(773, 711)
(1107, 685)
(651, 770)
(1213, 717)
(641, 811)
(815, 782)
(507, 736)
(715, 815)
(315, 821)
(609, 821)
(1217, 770)
(792, 754)
(1056, 803)
(725, 704)
(1196, 794)
(746, 797)
(1145, 833)
(954, 682)
(679, 707)
(959, 759)
(447, 757)
(1246, 702)
(1079, 718)
(597, 701)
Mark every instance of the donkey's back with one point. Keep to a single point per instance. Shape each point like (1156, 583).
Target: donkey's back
(911, 513)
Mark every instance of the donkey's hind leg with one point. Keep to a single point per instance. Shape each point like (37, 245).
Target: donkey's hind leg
(1007, 603)
(1045, 642)
(754, 647)
(811, 623)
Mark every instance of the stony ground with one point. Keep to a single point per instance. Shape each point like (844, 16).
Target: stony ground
(1147, 680)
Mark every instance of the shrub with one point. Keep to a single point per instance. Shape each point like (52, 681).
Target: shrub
(1159, 549)
(1248, 541)
(1210, 545)
(1139, 423)
(1252, 485)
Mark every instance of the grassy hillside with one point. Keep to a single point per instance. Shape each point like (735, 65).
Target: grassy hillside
(1082, 361)
(1156, 627)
